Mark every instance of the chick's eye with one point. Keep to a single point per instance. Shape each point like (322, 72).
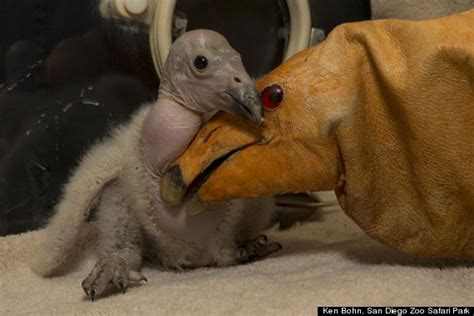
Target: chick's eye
(272, 97)
(200, 62)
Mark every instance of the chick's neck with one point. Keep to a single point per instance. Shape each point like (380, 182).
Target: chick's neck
(167, 131)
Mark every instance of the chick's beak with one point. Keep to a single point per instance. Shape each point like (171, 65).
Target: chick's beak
(245, 101)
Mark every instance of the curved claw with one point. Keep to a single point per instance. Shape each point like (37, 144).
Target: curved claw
(122, 286)
(261, 240)
(92, 294)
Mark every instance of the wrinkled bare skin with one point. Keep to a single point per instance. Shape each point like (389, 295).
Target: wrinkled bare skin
(120, 177)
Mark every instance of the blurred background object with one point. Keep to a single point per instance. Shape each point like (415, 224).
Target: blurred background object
(67, 76)
(418, 9)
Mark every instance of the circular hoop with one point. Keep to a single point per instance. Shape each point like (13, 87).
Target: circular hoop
(160, 33)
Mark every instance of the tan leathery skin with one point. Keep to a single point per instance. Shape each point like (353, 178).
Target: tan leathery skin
(382, 112)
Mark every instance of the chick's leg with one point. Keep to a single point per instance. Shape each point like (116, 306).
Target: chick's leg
(120, 245)
(257, 215)
(256, 249)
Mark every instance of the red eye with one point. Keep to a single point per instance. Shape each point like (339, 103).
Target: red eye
(272, 97)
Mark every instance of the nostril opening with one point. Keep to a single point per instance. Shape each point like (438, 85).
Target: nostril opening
(237, 79)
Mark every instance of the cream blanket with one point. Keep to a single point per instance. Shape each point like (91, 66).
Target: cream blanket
(327, 262)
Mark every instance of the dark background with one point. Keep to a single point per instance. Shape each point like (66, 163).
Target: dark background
(67, 77)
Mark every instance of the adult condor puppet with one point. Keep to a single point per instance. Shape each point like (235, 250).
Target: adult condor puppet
(382, 112)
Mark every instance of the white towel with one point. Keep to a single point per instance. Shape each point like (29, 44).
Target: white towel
(329, 262)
